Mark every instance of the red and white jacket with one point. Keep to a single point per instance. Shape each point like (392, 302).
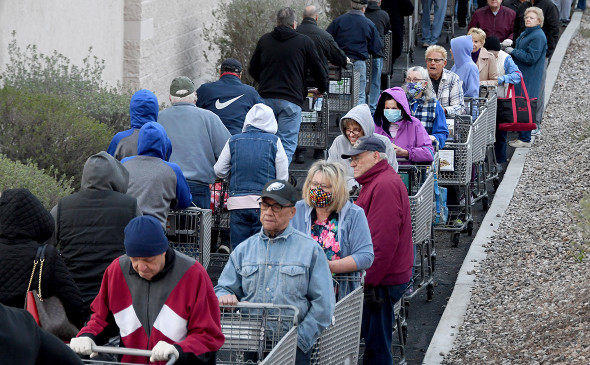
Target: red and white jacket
(178, 306)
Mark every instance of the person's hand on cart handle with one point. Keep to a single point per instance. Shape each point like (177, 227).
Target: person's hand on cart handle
(400, 152)
(228, 299)
(83, 346)
(316, 93)
(162, 351)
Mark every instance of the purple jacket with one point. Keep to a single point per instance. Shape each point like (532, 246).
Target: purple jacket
(411, 134)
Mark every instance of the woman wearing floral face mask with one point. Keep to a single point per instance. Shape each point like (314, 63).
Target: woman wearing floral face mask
(424, 105)
(409, 137)
(339, 226)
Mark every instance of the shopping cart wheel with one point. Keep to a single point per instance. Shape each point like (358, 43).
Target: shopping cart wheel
(429, 292)
(469, 228)
(455, 239)
(484, 203)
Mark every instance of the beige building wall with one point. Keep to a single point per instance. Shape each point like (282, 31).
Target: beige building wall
(145, 43)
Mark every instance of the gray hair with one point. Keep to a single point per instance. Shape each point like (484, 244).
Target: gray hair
(191, 98)
(310, 11)
(383, 156)
(355, 5)
(286, 17)
(537, 11)
(428, 95)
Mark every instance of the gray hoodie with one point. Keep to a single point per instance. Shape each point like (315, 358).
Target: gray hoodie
(362, 115)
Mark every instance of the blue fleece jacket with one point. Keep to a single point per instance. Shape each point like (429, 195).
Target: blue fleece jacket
(143, 108)
(529, 55)
(156, 183)
(464, 66)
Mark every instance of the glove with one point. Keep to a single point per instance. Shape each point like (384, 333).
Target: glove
(507, 43)
(162, 350)
(83, 346)
(509, 50)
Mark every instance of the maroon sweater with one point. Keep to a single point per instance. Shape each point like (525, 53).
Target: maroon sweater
(384, 199)
(501, 25)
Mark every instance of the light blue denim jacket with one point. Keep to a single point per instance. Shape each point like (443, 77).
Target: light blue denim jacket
(288, 269)
(353, 235)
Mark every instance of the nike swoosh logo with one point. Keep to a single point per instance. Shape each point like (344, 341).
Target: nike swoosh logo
(220, 105)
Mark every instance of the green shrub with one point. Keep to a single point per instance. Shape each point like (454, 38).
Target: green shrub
(45, 184)
(239, 24)
(32, 71)
(50, 131)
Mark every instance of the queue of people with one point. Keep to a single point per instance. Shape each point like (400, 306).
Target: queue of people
(108, 256)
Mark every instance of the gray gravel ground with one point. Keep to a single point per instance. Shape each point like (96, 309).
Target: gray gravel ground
(531, 300)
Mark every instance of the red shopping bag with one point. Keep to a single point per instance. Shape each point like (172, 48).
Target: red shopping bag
(516, 113)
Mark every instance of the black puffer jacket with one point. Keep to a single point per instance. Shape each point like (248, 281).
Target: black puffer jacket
(24, 223)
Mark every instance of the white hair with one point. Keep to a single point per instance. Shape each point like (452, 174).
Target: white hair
(428, 95)
(191, 98)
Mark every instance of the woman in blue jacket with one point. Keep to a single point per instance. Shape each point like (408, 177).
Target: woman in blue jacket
(529, 55)
(339, 226)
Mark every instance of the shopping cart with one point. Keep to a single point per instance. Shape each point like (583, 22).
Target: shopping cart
(342, 94)
(491, 165)
(455, 170)
(313, 131)
(339, 343)
(480, 116)
(136, 353)
(421, 195)
(189, 232)
(258, 333)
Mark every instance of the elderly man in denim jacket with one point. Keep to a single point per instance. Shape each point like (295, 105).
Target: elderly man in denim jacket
(281, 265)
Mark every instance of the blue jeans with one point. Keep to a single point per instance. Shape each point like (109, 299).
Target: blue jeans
(429, 35)
(500, 146)
(243, 224)
(377, 325)
(289, 119)
(361, 65)
(524, 136)
(201, 194)
(375, 90)
(581, 4)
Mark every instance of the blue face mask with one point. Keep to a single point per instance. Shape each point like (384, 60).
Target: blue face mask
(414, 88)
(392, 115)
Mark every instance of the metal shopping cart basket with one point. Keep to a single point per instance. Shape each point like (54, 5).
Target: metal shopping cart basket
(137, 353)
(491, 165)
(455, 170)
(313, 131)
(339, 343)
(421, 211)
(343, 94)
(189, 232)
(258, 333)
(479, 116)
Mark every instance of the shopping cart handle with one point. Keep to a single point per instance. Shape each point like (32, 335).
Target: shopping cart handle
(131, 352)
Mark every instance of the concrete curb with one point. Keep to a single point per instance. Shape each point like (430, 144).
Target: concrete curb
(454, 314)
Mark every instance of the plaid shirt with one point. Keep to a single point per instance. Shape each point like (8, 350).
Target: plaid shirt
(450, 93)
(424, 112)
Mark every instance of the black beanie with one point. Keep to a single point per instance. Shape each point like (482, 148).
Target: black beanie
(492, 44)
(23, 216)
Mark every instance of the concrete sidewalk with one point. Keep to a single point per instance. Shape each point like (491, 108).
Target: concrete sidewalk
(454, 314)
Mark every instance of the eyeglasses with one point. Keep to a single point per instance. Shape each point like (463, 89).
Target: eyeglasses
(275, 207)
(413, 80)
(315, 184)
(353, 131)
(435, 60)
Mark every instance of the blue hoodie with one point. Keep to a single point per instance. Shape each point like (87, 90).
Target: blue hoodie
(143, 108)
(156, 183)
(464, 66)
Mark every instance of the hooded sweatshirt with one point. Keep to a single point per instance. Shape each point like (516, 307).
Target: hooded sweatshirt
(362, 115)
(156, 183)
(280, 63)
(464, 66)
(24, 224)
(90, 223)
(411, 135)
(143, 108)
(253, 158)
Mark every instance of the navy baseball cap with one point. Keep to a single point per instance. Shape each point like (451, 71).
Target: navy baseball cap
(365, 144)
(231, 65)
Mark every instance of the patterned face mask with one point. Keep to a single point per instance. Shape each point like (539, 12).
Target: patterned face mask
(414, 88)
(319, 198)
